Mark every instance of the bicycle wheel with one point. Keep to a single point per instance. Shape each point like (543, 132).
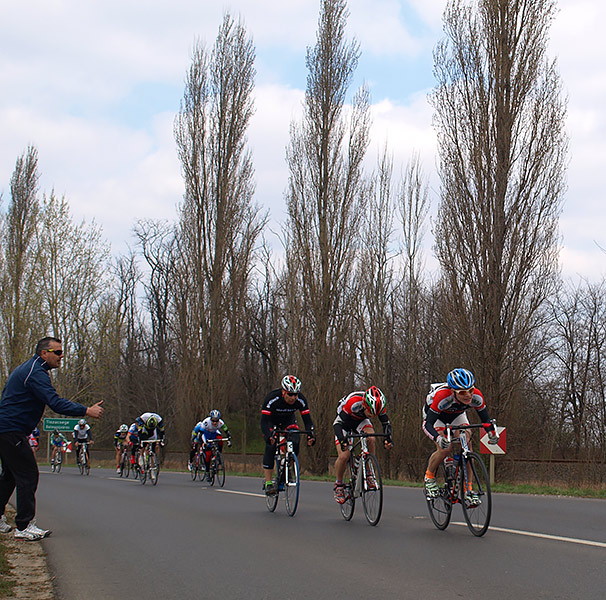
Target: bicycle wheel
(58, 462)
(125, 467)
(86, 466)
(440, 507)
(477, 513)
(53, 465)
(154, 469)
(220, 469)
(194, 468)
(142, 473)
(372, 489)
(291, 484)
(81, 462)
(348, 507)
(272, 499)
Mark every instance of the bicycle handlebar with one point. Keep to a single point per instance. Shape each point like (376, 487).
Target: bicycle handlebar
(366, 435)
(450, 427)
(297, 431)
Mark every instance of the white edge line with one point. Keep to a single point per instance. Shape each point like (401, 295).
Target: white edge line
(242, 493)
(545, 536)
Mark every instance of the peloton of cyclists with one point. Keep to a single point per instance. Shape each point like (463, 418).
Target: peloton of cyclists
(279, 411)
(82, 434)
(353, 416)
(211, 428)
(448, 404)
(119, 443)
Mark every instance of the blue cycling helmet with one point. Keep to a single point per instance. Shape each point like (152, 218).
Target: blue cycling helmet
(460, 379)
(215, 414)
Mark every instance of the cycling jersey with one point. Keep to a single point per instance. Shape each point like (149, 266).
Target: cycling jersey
(119, 437)
(276, 412)
(145, 433)
(207, 430)
(351, 415)
(82, 434)
(445, 408)
(59, 440)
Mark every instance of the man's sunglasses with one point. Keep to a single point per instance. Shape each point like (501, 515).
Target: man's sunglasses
(57, 352)
(464, 391)
(292, 394)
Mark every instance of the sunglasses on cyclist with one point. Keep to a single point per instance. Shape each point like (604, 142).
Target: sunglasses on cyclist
(58, 352)
(292, 394)
(214, 420)
(461, 392)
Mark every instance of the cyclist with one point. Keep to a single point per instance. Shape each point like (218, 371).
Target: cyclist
(82, 434)
(119, 443)
(353, 416)
(279, 411)
(33, 438)
(448, 404)
(213, 427)
(148, 426)
(59, 444)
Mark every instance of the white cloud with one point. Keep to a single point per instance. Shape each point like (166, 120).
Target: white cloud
(95, 87)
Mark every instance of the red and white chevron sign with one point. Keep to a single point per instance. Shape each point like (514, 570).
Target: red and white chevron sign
(499, 448)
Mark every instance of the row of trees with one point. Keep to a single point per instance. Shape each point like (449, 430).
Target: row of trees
(202, 315)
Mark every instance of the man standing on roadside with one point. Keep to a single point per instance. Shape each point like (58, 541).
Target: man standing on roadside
(26, 393)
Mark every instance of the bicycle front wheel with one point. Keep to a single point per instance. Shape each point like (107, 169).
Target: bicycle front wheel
(372, 489)
(81, 460)
(440, 507)
(154, 469)
(143, 473)
(58, 463)
(291, 484)
(348, 507)
(272, 499)
(477, 506)
(220, 469)
(194, 468)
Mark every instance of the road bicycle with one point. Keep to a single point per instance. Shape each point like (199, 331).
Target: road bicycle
(216, 470)
(83, 459)
(286, 477)
(125, 461)
(466, 471)
(362, 478)
(147, 462)
(197, 465)
(58, 460)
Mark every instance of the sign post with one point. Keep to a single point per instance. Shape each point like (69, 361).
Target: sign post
(499, 448)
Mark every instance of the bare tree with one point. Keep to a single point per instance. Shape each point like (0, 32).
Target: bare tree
(499, 116)
(326, 200)
(219, 223)
(19, 300)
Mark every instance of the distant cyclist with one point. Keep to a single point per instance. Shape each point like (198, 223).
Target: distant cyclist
(119, 443)
(148, 426)
(353, 416)
(211, 428)
(447, 404)
(279, 411)
(82, 435)
(59, 443)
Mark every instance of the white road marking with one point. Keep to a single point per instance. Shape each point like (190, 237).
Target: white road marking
(242, 493)
(545, 536)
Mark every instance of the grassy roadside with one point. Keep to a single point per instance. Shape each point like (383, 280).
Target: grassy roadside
(6, 584)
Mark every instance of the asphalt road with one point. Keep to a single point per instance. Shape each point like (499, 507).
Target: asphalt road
(115, 539)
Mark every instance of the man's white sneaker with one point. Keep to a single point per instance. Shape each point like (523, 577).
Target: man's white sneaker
(4, 526)
(29, 534)
(42, 532)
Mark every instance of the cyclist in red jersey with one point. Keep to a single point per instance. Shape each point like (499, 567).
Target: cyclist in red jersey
(353, 416)
(448, 405)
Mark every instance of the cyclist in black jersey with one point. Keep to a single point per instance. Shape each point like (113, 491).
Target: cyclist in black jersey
(279, 411)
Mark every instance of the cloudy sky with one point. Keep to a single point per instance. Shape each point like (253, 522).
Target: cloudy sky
(95, 85)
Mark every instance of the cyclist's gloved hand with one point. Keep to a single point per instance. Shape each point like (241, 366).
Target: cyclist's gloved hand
(344, 445)
(388, 443)
(443, 442)
(229, 442)
(311, 439)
